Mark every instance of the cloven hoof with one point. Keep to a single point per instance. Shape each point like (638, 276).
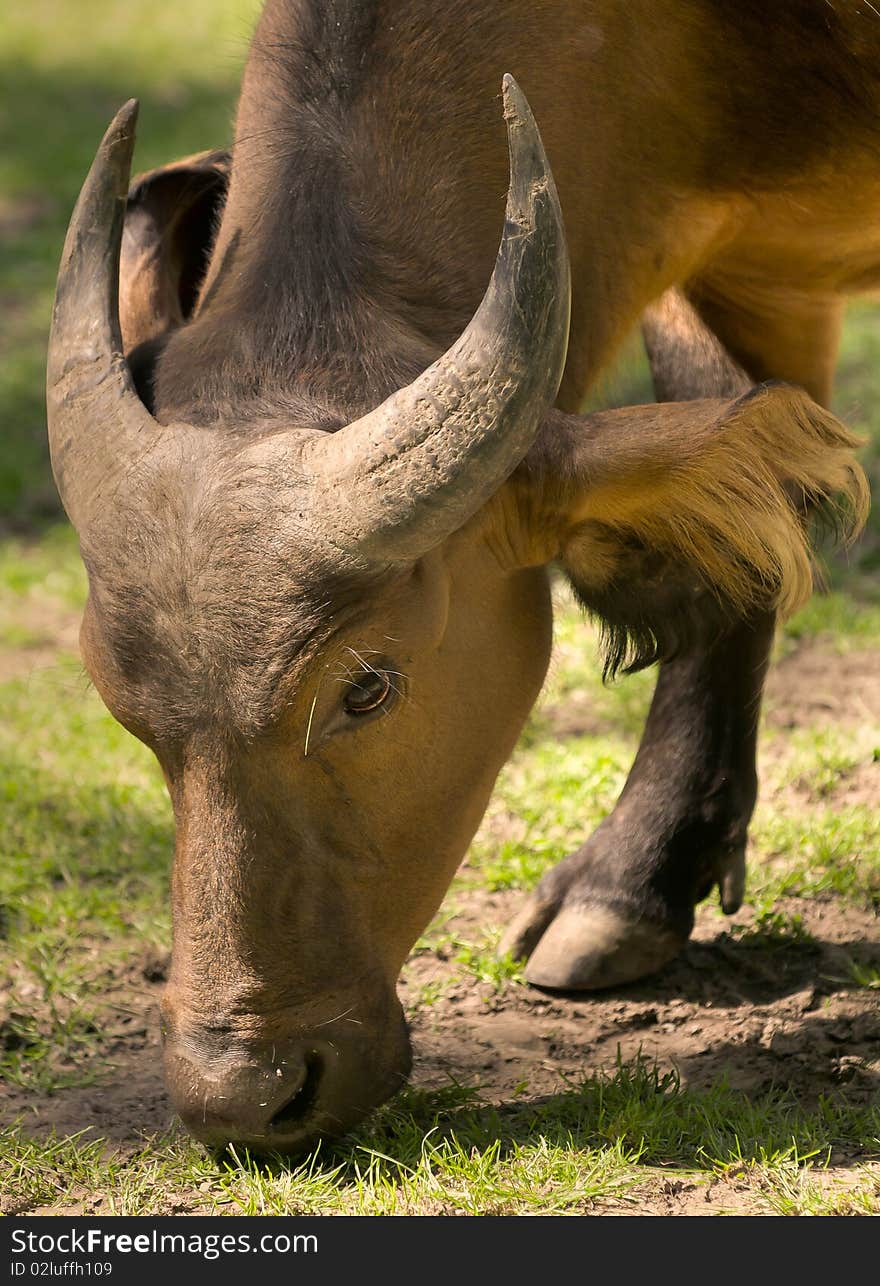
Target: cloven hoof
(588, 948)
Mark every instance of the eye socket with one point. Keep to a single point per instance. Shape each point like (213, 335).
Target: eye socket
(368, 692)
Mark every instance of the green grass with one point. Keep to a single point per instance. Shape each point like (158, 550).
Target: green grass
(448, 1152)
(817, 760)
(553, 795)
(842, 620)
(788, 1190)
(48, 568)
(86, 837)
(836, 850)
(65, 69)
(85, 825)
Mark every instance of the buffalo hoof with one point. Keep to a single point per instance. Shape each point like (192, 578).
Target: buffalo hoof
(572, 944)
(589, 948)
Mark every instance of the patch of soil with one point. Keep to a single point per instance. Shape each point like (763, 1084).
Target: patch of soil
(736, 1008)
(753, 1012)
(859, 785)
(809, 687)
(576, 716)
(806, 687)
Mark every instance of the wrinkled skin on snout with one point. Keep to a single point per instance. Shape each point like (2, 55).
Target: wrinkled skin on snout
(314, 839)
(330, 629)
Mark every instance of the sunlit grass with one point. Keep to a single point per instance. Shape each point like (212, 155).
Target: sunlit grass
(49, 567)
(85, 824)
(841, 621)
(790, 1190)
(831, 851)
(65, 69)
(85, 836)
(447, 1152)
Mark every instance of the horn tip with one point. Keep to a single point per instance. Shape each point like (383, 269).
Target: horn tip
(516, 105)
(122, 127)
(528, 161)
(126, 118)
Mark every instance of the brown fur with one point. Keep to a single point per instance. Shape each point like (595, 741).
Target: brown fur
(365, 201)
(708, 487)
(703, 503)
(674, 164)
(666, 503)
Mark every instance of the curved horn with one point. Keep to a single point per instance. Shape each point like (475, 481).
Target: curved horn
(96, 418)
(399, 480)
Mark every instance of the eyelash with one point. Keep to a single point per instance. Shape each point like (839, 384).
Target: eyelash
(356, 710)
(395, 690)
(391, 689)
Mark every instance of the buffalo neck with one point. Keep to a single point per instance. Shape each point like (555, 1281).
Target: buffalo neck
(344, 261)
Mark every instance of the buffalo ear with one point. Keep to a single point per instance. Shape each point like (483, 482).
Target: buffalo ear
(676, 519)
(171, 217)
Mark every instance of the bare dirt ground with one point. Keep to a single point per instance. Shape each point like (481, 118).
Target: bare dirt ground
(752, 1015)
(745, 1010)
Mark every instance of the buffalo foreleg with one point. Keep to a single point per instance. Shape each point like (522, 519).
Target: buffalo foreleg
(622, 906)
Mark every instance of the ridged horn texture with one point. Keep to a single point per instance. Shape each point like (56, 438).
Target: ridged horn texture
(402, 478)
(397, 481)
(96, 420)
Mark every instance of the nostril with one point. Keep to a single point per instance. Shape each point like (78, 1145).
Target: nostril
(301, 1101)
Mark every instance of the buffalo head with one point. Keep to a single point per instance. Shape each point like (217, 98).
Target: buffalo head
(303, 628)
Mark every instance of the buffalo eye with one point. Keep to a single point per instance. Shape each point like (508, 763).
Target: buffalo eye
(368, 692)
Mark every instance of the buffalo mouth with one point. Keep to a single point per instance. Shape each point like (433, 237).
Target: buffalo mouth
(295, 1112)
(286, 1096)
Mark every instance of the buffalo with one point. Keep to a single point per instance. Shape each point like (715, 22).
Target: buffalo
(320, 472)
